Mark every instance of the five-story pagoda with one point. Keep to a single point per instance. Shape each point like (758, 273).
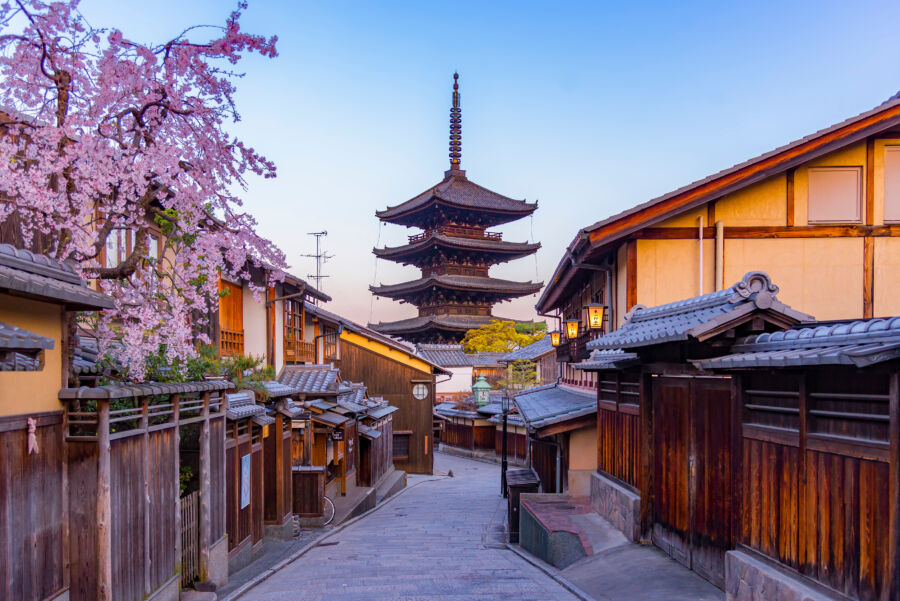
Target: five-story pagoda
(454, 252)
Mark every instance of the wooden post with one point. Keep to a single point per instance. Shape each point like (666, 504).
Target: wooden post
(205, 492)
(646, 481)
(737, 457)
(802, 532)
(894, 500)
(145, 452)
(104, 505)
(280, 460)
(176, 474)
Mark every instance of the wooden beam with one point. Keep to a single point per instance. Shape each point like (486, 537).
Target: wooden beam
(870, 182)
(711, 213)
(104, 506)
(631, 274)
(790, 197)
(205, 525)
(775, 231)
(893, 543)
(868, 277)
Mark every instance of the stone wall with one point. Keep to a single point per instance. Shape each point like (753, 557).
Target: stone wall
(617, 504)
(750, 579)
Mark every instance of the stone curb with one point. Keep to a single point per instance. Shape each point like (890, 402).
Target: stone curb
(245, 588)
(550, 571)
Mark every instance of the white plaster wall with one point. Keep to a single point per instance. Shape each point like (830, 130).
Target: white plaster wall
(460, 380)
(254, 325)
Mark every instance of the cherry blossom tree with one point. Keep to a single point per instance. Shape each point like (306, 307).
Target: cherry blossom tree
(108, 143)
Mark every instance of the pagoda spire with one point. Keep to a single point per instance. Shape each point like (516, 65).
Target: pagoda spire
(455, 127)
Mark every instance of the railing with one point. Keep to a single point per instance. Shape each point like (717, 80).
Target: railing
(458, 232)
(231, 342)
(190, 538)
(299, 351)
(331, 343)
(576, 350)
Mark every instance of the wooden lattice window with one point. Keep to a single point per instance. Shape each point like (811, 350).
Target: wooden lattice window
(295, 350)
(401, 445)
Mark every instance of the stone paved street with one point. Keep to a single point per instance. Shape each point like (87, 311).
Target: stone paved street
(427, 544)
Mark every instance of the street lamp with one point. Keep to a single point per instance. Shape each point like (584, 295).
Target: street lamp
(504, 406)
(571, 329)
(595, 315)
(555, 338)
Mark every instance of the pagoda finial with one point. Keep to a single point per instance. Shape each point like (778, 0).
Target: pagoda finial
(455, 127)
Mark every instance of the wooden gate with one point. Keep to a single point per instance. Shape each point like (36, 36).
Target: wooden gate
(692, 471)
(190, 538)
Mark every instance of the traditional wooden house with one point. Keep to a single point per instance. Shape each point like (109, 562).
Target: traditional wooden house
(454, 253)
(541, 355)
(666, 441)
(248, 427)
(464, 368)
(816, 497)
(277, 459)
(35, 547)
(467, 427)
(561, 422)
(375, 429)
(271, 324)
(516, 437)
(820, 213)
(392, 370)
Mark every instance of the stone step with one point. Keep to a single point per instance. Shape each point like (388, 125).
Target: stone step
(390, 484)
(190, 595)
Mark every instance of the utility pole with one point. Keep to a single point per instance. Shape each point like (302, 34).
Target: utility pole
(321, 258)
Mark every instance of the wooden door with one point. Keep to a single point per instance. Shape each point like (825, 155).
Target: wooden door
(692, 497)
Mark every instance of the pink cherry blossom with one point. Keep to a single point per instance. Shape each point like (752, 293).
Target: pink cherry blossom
(106, 134)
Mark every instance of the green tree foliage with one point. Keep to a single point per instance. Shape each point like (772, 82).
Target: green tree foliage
(531, 327)
(520, 375)
(497, 337)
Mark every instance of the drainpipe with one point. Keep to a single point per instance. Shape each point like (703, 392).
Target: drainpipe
(700, 231)
(720, 255)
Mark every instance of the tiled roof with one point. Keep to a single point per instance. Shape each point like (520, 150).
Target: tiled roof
(311, 379)
(263, 419)
(329, 418)
(241, 405)
(531, 352)
(454, 411)
(379, 412)
(276, 389)
(351, 394)
(459, 282)
(460, 323)
(13, 338)
(514, 249)
(857, 343)
(39, 276)
(547, 405)
(321, 404)
(453, 355)
(456, 189)
(694, 316)
(129, 391)
(608, 359)
(368, 432)
(512, 419)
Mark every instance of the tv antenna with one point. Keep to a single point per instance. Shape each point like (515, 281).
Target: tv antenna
(321, 258)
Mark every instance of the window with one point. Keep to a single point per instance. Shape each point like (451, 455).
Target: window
(295, 351)
(21, 360)
(892, 184)
(120, 243)
(401, 445)
(835, 195)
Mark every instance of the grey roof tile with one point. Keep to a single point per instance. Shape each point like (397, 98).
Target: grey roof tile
(531, 352)
(39, 276)
(693, 316)
(459, 282)
(856, 343)
(554, 403)
(310, 379)
(608, 359)
(241, 405)
(13, 338)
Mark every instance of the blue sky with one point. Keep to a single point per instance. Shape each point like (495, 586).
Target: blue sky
(587, 107)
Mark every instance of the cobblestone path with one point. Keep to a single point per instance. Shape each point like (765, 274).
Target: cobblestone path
(432, 543)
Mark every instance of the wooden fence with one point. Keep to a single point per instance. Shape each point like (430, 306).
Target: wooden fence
(124, 466)
(190, 538)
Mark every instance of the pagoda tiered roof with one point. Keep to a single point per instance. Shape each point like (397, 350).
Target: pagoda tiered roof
(433, 327)
(493, 287)
(493, 250)
(457, 194)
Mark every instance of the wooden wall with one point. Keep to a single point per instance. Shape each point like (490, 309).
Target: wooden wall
(618, 426)
(33, 550)
(543, 460)
(484, 437)
(815, 486)
(392, 380)
(375, 455)
(458, 433)
(516, 444)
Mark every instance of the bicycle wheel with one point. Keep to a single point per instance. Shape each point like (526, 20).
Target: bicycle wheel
(328, 511)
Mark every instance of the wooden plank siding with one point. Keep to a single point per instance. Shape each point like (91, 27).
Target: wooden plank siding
(819, 503)
(32, 510)
(516, 444)
(393, 381)
(618, 426)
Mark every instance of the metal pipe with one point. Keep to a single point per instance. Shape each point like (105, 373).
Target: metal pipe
(720, 255)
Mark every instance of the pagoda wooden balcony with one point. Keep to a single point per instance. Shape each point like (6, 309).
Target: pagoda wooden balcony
(457, 232)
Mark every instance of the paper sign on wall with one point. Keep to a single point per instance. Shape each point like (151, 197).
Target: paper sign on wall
(245, 481)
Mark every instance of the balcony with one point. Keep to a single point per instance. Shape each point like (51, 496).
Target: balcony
(299, 351)
(572, 351)
(457, 232)
(231, 343)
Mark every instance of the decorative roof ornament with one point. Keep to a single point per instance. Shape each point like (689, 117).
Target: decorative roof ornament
(455, 127)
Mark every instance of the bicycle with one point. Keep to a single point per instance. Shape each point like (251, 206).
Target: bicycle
(327, 511)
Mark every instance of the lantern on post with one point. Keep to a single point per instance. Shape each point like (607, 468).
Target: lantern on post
(555, 338)
(481, 390)
(595, 315)
(572, 329)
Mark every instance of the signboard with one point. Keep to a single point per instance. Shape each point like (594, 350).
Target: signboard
(245, 481)
(337, 435)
